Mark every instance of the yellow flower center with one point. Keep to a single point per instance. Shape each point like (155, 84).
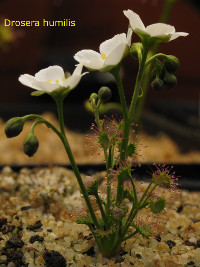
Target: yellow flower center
(103, 55)
(57, 81)
(63, 79)
(48, 81)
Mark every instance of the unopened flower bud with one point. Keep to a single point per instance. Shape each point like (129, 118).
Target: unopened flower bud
(157, 84)
(31, 145)
(104, 94)
(135, 49)
(169, 80)
(93, 98)
(14, 127)
(158, 70)
(171, 63)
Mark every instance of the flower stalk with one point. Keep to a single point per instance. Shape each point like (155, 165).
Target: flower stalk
(59, 102)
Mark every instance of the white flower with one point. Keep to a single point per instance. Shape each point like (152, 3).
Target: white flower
(160, 31)
(52, 78)
(111, 53)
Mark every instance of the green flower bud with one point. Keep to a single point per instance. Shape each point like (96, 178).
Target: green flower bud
(157, 84)
(158, 70)
(93, 99)
(169, 80)
(171, 63)
(135, 49)
(104, 94)
(14, 127)
(31, 145)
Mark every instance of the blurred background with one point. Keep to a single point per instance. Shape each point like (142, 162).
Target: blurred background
(29, 49)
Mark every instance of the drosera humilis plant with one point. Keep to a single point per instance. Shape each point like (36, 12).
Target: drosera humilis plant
(110, 219)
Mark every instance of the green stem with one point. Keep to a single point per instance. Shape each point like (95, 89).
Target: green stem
(96, 115)
(126, 129)
(134, 211)
(102, 210)
(97, 120)
(129, 236)
(115, 161)
(167, 10)
(59, 102)
(151, 59)
(139, 204)
(128, 117)
(47, 123)
(70, 155)
(134, 191)
(115, 73)
(108, 183)
(36, 123)
(107, 158)
(96, 238)
(138, 84)
(142, 204)
(127, 124)
(145, 85)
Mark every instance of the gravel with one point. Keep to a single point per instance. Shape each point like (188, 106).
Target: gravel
(38, 225)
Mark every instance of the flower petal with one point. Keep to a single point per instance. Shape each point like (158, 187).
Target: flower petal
(158, 29)
(45, 86)
(51, 73)
(129, 36)
(28, 80)
(109, 45)
(72, 81)
(78, 69)
(115, 56)
(177, 34)
(89, 59)
(134, 20)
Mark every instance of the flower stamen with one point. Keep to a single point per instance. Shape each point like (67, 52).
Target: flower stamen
(103, 55)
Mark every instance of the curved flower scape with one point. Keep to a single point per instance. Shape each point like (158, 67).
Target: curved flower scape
(111, 53)
(160, 31)
(52, 78)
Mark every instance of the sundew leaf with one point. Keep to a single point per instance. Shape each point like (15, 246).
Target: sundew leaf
(131, 149)
(84, 221)
(144, 230)
(93, 188)
(158, 205)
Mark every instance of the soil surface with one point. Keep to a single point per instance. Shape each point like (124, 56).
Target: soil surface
(38, 213)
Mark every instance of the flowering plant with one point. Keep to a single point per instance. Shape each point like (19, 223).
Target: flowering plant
(117, 220)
